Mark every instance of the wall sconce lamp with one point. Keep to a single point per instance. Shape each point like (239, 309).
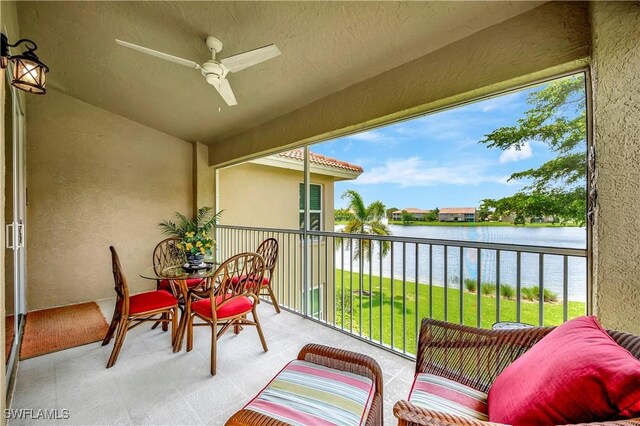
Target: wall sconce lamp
(28, 73)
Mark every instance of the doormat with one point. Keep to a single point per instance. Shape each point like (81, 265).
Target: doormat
(56, 329)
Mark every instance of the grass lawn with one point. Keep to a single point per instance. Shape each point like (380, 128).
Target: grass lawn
(380, 306)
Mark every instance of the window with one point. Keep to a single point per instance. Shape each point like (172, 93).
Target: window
(314, 302)
(315, 206)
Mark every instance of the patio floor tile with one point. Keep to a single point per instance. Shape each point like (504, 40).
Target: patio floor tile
(151, 385)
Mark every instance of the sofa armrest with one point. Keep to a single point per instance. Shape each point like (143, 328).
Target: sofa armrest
(409, 414)
(344, 360)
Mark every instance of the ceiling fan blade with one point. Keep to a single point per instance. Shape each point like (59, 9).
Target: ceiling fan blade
(224, 88)
(160, 55)
(247, 59)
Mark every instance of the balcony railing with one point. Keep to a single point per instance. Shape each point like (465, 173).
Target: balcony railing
(378, 288)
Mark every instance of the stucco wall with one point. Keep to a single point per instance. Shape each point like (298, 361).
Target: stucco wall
(96, 179)
(268, 197)
(616, 66)
(540, 43)
(203, 178)
(264, 196)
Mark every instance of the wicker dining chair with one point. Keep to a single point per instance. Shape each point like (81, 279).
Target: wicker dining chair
(268, 249)
(166, 255)
(231, 296)
(475, 357)
(131, 311)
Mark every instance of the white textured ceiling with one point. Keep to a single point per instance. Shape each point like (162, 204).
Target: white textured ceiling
(326, 47)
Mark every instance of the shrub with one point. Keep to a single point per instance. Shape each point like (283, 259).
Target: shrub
(471, 285)
(527, 293)
(536, 293)
(488, 289)
(507, 292)
(550, 296)
(533, 294)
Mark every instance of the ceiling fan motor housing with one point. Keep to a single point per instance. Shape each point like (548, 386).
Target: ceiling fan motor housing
(213, 69)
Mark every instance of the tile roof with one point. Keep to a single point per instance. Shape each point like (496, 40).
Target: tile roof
(321, 160)
(413, 210)
(458, 210)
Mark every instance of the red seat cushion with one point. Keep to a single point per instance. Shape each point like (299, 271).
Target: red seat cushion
(150, 301)
(191, 282)
(239, 305)
(575, 374)
(234, 280)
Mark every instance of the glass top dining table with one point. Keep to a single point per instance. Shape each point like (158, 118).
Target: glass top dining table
(178, 272)
(177, 277)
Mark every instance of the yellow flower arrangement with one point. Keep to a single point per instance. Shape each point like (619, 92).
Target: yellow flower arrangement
(194, 234)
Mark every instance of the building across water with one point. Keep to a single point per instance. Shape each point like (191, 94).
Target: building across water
(457, 214)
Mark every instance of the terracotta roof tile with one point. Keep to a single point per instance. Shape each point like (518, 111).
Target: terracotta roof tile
(321, 160)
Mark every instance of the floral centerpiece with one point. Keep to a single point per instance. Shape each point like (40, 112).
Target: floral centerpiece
(195, 241)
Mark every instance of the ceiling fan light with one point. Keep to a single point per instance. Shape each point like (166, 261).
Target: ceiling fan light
(29, 74)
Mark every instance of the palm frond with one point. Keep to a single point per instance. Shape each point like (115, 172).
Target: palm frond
(205, 220)
(355, 203)
(366, 221)
(170, 228)
(376, 210)
(211, 222)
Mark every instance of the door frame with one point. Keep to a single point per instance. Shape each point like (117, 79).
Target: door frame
(18, 225)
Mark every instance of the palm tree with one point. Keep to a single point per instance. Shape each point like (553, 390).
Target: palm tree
(364, 221)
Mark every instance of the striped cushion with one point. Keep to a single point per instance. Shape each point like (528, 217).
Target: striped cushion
(446, 396)
(304, 393)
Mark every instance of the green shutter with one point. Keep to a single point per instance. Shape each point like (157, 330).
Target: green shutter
(301, 197)
(316, 195)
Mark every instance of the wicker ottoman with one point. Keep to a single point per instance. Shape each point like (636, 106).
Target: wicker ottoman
(323, 385)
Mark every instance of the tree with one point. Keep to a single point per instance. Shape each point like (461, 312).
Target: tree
(406, 217)
(390, 212)
(365, 220)
(432, 216)
(483, 213)
(558, 118)
(342, 215)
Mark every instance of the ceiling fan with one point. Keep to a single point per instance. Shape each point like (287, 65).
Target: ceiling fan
(215, 72)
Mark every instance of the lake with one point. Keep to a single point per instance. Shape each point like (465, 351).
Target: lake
(573, 237)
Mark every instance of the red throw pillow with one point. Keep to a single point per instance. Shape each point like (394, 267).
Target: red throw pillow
(575, 374)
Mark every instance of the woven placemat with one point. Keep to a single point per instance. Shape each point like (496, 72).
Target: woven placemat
(56, 329)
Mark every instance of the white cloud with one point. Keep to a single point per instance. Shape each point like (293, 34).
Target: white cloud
(414, 171)
(512, 154)
(370, 136)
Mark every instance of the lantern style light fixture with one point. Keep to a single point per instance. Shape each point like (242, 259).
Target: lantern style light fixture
(28, 72)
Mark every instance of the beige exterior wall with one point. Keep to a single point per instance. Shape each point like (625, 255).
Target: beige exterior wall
(540, 43)
(265, 196)
(203, 178)
(268, 197)
(616, 66)
(96, 179)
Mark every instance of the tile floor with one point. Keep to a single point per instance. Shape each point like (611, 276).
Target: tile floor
(151, 385)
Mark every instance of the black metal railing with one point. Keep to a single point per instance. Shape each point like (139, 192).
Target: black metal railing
(378, 288)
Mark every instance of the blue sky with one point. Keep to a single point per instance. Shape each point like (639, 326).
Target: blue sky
(436, 160)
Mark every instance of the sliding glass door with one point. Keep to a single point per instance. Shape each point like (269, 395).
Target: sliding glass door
(15, 223)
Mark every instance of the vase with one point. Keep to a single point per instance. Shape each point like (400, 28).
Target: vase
(195, 260)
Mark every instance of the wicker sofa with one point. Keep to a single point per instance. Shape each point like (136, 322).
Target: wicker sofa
(475, 357)
(331, 358)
